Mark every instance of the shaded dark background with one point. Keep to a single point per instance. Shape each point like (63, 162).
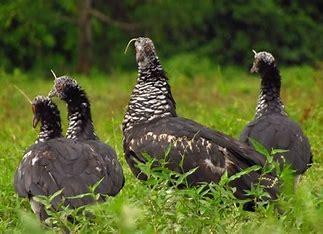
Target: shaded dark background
(88, 35)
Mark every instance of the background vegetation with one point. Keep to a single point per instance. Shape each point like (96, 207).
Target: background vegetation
(205, 46)
(222, 99)
(68, 35)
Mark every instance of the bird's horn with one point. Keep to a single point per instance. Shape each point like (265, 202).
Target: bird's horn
(23, 93)
(131, 40)
(53, 74)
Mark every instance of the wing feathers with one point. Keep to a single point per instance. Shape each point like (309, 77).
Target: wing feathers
(211, 152)
(68, 165)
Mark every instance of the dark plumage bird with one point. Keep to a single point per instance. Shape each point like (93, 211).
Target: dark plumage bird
(271, 126)
(81, 128)
(151, 124)
(54, 163)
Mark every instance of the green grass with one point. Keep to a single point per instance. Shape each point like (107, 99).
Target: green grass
(222, 99)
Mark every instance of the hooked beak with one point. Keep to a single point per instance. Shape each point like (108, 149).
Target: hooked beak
(36, 120)
(254, 69)
(52, 93)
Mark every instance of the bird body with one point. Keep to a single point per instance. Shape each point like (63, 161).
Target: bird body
(276, 131)
(193, 146)
(58, 164)
(272, 127)
(81, 128)
(151, 125)
(54, 163)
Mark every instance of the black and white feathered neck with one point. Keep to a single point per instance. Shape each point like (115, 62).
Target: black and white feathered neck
(151, 97)
(50, 122)
(49, 130)
(79, 115)
(269, 99)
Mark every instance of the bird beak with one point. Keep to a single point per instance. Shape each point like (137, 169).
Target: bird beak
(36, 120)
(254, 68)
(254, 65)
(52, 93)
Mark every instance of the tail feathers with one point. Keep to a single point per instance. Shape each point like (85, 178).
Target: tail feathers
(244, 183)
(270, 184)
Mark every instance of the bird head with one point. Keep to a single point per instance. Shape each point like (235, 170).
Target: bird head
(44, 110)
(63, 88)
(145, 51)
(262, 61)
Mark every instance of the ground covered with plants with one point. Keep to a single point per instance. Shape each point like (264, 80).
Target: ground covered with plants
(221, 98)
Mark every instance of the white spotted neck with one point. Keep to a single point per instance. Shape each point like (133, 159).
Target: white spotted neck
(49, 131)
(80, 123)
(79, 115)
(151, 97)
(269, 100)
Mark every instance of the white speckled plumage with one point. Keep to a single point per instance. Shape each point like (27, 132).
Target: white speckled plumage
(151, 126)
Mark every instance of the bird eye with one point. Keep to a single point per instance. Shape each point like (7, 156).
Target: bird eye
(59, 87)
(147, 48)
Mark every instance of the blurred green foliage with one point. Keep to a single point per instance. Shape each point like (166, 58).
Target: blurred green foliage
(42, 34)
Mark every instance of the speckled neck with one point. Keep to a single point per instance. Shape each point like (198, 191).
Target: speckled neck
(151, 97)
(49, 130)
(269, 99)
(79, 116)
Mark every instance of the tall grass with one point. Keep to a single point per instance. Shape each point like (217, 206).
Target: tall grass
(221, 98)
